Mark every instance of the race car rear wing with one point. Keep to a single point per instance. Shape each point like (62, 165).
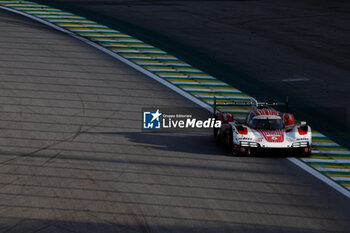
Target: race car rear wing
(253, 102)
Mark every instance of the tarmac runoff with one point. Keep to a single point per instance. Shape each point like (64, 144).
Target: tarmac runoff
(326, 154)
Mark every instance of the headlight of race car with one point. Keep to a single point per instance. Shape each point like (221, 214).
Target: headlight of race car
(244, 143)
(300, 144)
(250, 144)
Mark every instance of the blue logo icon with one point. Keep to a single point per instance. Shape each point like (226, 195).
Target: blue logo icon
(151, 120)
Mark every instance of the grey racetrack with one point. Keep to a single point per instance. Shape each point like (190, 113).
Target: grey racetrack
(74, 159)
(268, 49)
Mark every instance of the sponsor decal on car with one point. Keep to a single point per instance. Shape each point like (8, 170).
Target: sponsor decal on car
(244, 138)
(303, 139)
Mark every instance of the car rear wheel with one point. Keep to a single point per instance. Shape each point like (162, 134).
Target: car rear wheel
(228, 139)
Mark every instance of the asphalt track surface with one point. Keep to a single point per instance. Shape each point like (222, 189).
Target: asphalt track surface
(73, 157)
(268, 48)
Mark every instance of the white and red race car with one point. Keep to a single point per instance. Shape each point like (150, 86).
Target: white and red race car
(264, 131)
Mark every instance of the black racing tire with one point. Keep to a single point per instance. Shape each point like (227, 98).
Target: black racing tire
(241, 154)
(308, 154)
(248, 152)
(228, 139)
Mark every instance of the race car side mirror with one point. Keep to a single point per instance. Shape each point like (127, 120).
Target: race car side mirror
(303, 129)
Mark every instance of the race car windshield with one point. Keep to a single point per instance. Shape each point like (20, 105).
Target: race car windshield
(266, 123)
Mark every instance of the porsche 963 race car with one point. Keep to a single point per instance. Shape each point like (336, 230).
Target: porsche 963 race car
(264, 131)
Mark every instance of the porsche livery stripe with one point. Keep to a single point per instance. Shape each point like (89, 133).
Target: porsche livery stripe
(266, 112)
(327, 156)
(275, 136)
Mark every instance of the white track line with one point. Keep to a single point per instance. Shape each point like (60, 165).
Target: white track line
(296, 161)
